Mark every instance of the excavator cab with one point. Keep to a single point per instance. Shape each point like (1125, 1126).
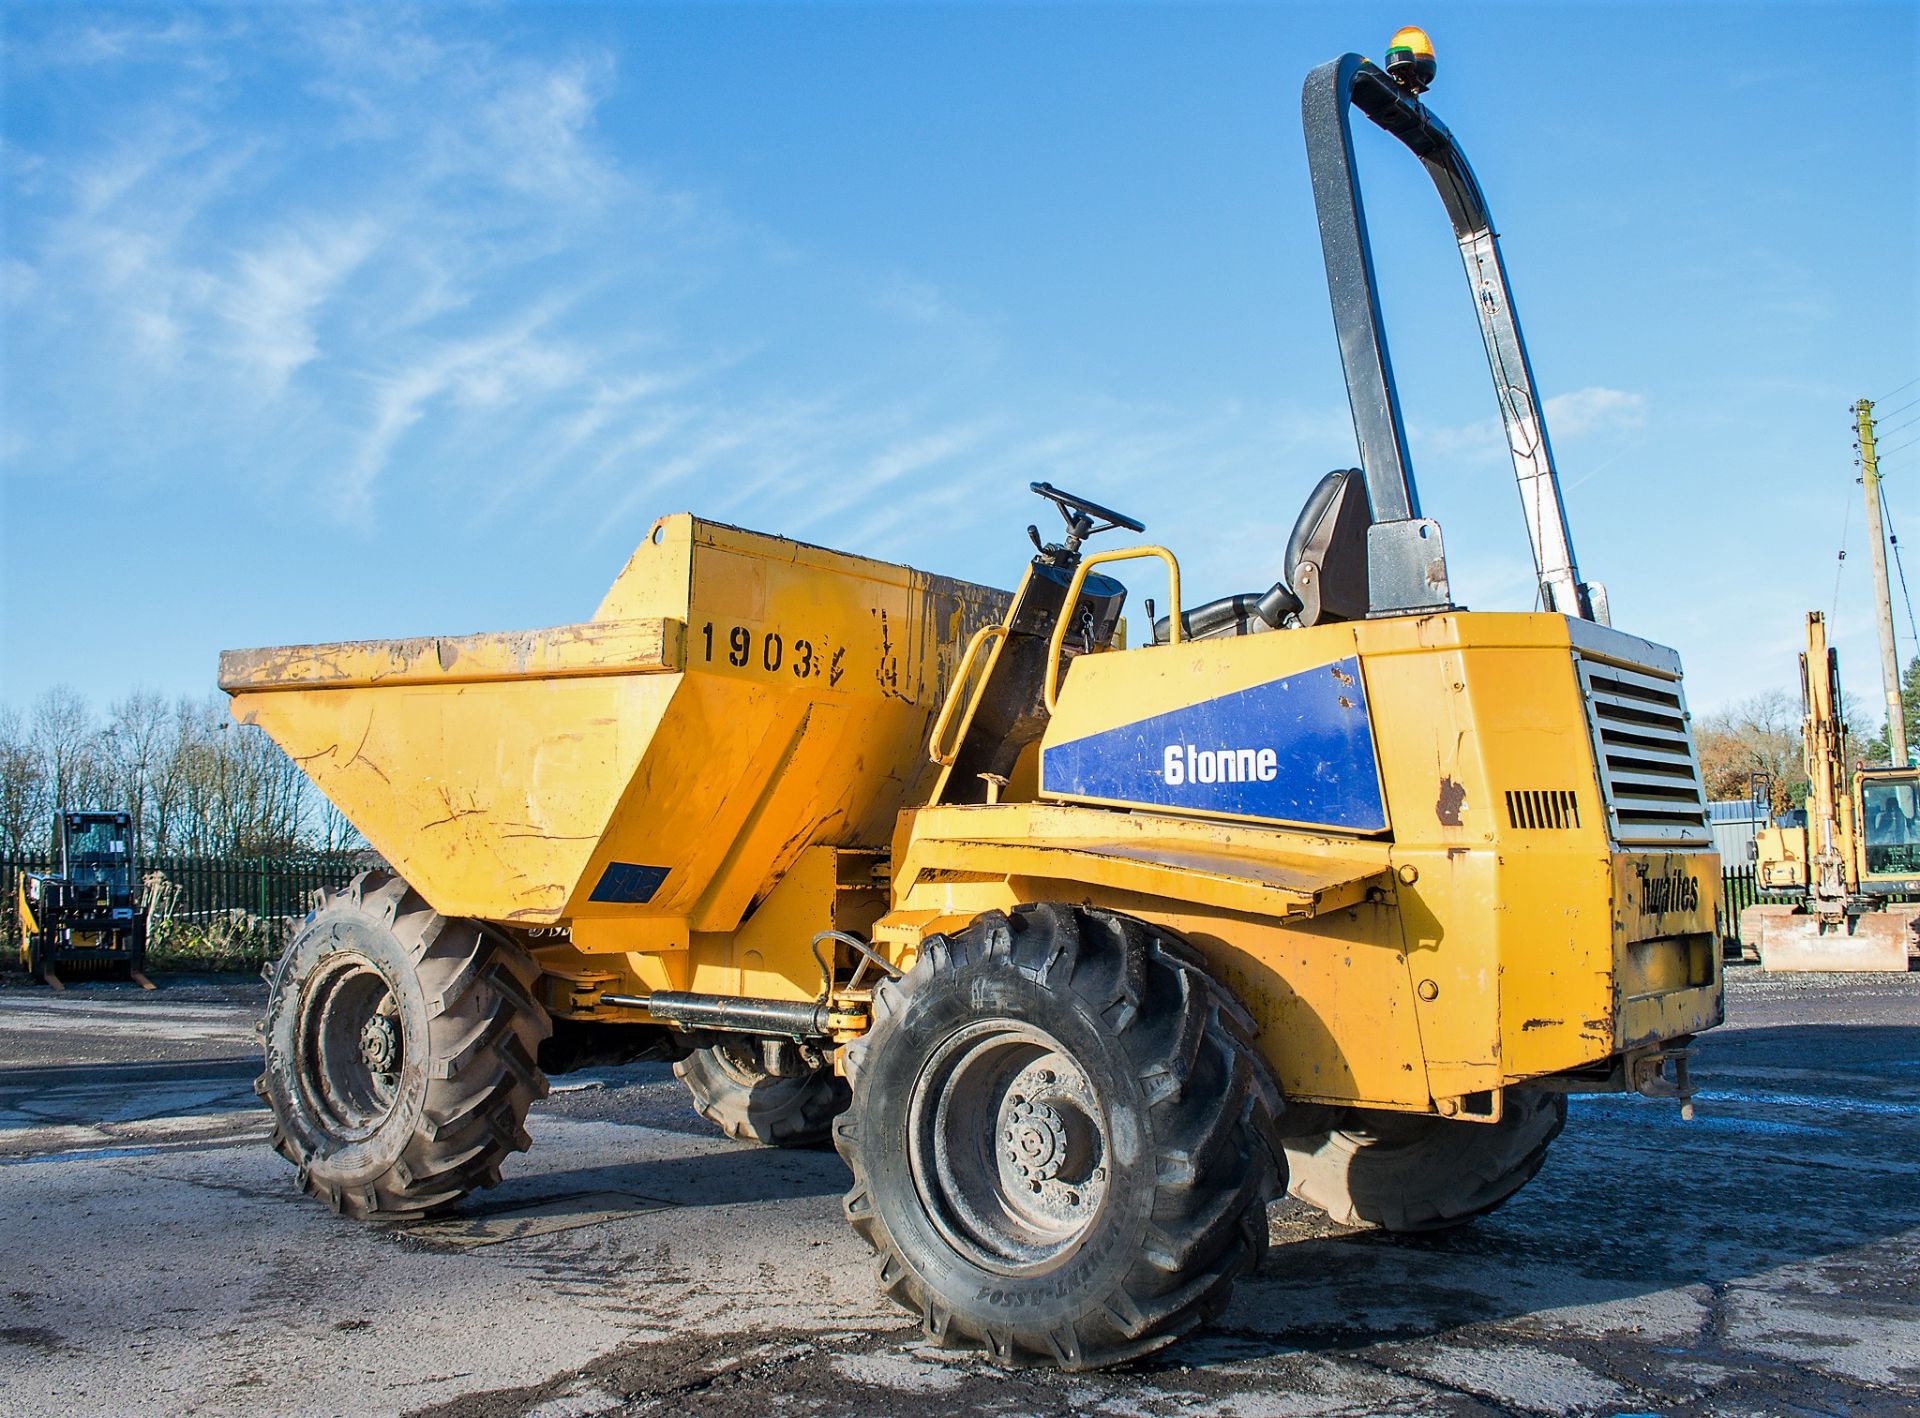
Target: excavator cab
(1887, 807)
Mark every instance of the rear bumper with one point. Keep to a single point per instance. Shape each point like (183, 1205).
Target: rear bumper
(1666, 955)
(1675, 1014)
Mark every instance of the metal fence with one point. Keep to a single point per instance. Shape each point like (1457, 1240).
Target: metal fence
(204, 889)
(1742, 889)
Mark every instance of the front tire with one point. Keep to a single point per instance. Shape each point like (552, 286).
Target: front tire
(1059, 1138)
(400, 1050)
(1406, 1173)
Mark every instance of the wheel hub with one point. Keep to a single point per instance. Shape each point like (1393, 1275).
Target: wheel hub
(1044, 1143)
(379, 1044)
(350, 1046)
(1010, 1145)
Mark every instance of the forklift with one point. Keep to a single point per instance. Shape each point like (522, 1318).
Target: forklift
(89, 914)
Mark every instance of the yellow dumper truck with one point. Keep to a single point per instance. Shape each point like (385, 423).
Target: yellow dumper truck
(1083, 940)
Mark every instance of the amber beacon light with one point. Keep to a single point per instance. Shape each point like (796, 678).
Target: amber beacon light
(1410, 59)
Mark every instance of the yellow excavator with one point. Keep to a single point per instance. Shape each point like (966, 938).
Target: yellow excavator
(1855, 860)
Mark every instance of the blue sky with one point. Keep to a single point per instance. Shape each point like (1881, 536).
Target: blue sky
(329, 323)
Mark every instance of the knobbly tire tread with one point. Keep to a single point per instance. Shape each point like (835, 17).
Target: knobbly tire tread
(1205, 1089)
(474, 989)
(1454, 1173)
(770, 1110)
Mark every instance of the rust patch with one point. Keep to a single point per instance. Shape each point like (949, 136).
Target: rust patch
(1452, 802)
(1341, 675)
(1540, 1024)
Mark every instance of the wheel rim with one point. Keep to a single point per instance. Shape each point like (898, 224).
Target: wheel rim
(352, 1046)
(1008, 1146)
(736, 1061)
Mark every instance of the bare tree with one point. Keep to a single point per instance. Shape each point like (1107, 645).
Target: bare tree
(331, 831)
(66, 736)
(136, 736)
(195, 782)
(1758, 735)
(22, 786)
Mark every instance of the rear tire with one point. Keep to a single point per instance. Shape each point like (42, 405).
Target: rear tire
(734, 1092)
(400, 1050)
(1059, 1138)
(1407, 1173)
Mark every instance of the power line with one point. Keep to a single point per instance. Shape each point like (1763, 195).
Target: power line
(1898, 426)
(1893, 540)
(1891, 392)
(1840, 563)
(1898, 446)
(1901, 410)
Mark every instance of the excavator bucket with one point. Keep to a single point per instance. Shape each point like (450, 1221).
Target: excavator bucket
(1789, 939)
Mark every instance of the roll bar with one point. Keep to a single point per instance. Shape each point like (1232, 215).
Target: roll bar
(1405, 563)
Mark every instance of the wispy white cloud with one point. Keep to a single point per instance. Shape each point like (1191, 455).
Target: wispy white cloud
(515, 363)
(920, 302)
(1595, 409)
(190, 251)
(279, 287)
(1577, 413)
(427, 258)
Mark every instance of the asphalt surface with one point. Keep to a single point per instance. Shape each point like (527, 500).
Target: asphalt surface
(154, 1257)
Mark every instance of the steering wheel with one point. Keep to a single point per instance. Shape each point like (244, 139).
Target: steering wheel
(1079, 515)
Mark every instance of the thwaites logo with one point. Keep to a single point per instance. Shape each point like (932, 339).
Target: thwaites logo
(1670, 891)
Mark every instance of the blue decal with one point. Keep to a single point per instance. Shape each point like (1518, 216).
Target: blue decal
(1298, 749)
(627, 883)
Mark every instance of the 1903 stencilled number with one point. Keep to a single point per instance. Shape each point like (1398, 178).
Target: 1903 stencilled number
(736, 646)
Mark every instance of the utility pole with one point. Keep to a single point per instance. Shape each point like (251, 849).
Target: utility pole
(1882, 596)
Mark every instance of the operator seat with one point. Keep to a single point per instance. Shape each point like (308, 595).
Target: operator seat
(1326, 566)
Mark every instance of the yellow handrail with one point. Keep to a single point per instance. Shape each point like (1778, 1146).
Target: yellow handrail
(958, 692)
(1100, 558)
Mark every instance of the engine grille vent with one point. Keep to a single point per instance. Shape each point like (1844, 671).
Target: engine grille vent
(1648, 770)
(1531, 809)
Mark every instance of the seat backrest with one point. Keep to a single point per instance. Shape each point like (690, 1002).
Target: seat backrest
(1327, 554)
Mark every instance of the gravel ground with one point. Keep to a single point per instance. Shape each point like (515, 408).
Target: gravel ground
(1764, 1258)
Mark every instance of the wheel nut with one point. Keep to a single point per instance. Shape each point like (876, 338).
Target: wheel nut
(1033, 1186)
(1046, 1075)
(1073, 1198)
